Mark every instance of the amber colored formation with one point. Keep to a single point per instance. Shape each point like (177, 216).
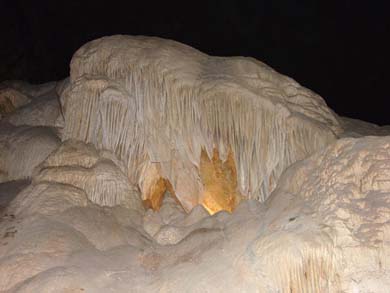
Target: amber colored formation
(219, 181)
(157, 193)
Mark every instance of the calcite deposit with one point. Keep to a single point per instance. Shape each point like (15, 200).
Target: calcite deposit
(157, 104)
(157, 168)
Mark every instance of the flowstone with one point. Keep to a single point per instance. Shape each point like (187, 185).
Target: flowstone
(167, 170)
(157, 104)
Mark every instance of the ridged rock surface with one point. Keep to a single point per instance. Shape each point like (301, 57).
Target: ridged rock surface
(22, 103)
(81, 166)
(23, 148)
(145, 122)
(325, 228)
(158, 102)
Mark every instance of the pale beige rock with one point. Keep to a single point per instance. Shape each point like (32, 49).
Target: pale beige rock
(48, 199)
(61, 86)
(20, 267)
(152, 222)
(325, 228)
(31, 90)
(157, 103)
(42, 112)
(33, 105)
(35, 245)
(140, 104)
(81, 166)
(23, 148)
(171, 224)
(72, 153)
(8, 191)
(15, 94)
(128, 217)
(11, 99)
(101, 228)
(334, 220)
(359, 128)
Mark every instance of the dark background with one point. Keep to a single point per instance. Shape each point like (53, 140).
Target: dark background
(337, 48)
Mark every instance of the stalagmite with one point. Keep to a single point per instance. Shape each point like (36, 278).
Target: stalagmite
(157, 103)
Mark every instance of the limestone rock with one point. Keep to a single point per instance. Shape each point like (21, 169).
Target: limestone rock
(44, 112)
(47, 199)
(81, 166)
(325, 228)
(32, 90)
(23, 148)
(41, 106)
(250, 186)
(33, 246)
(33, 105)
(157, 103)
(171, 224)
(11, 99)
(359, 128)
(329, 221)
(100, 227)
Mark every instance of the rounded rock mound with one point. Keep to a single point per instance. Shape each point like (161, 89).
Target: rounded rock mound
(158, 104)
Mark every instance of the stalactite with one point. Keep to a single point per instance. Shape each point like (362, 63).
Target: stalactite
(147, 98)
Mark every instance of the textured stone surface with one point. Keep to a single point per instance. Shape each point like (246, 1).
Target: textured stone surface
(22, 103)
(325, 228)
(11, 99)
(23, 148)
(161, 124)
(157, 103)
(81, 166)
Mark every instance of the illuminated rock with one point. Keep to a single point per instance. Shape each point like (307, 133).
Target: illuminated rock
(219, 180)
(325, 228)
(247, 186)
(157, 103)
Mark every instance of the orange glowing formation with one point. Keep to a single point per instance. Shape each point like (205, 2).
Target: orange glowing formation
(219, 181)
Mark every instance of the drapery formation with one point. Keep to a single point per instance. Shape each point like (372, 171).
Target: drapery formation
(157, 104)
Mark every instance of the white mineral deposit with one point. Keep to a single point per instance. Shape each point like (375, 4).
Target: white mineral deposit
(157, 168)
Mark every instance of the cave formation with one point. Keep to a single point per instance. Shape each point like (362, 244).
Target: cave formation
(157, 168)
(156, 104)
